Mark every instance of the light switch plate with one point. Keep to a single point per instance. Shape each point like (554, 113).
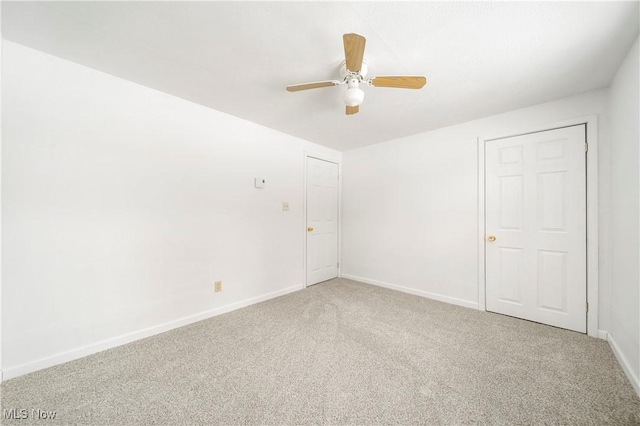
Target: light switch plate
(259, 182)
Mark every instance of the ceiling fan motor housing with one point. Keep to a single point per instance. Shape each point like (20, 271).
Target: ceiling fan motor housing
(344, 73)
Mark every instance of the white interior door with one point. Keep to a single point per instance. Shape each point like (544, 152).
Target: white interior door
(322, 220)
(535, 226)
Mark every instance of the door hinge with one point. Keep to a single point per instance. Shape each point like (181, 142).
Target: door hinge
(586, 147)
(338, 264)
(587, 306)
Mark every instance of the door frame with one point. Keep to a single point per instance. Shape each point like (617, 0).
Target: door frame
(308, 155)
(591, 122)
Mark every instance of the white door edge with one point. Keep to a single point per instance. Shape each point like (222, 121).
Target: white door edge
(305, 156)
(591, 122)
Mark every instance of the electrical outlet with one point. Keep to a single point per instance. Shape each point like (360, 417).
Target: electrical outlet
(285, 206)
(218, 286)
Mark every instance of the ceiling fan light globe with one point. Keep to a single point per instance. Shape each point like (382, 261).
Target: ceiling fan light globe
(353, 96)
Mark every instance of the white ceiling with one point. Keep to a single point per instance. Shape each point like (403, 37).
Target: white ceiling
(480, 58)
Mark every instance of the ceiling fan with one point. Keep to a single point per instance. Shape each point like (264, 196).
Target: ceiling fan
(354, 71)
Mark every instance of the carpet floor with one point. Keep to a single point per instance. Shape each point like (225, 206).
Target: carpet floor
(340, 352)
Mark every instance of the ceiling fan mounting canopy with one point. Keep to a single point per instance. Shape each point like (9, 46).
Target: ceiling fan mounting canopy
(353, 73)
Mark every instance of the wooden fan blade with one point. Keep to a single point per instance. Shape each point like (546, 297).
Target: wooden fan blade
(353, 51)
(400, 82)
(352, 110)
(316, 85)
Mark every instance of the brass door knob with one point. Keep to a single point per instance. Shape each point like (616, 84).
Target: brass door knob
(491, 238)
(309, 229)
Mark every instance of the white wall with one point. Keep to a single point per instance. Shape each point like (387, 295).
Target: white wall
(122, 205)
(1, 54)
(410, 205)
(624, 326)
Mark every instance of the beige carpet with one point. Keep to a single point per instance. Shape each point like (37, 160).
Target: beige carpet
(340, 352)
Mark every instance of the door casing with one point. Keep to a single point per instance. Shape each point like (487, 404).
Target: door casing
(591, 123)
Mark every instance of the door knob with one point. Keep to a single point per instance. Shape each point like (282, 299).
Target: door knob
(491, 238)
(309, 229)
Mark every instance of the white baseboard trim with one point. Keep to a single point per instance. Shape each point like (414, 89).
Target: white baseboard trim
(73, 354)
(624, 363)
(427, 294)
(602, 334)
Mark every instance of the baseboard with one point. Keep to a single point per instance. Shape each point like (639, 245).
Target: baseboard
(427, 294)
(602, 334)
(73, 354)
(624, 363)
